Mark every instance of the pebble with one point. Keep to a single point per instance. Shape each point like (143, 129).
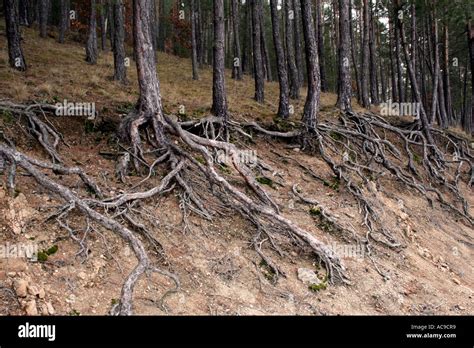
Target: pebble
(20, 287)
(30, 308)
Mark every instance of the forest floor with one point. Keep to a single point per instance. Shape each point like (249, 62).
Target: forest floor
(220, 273)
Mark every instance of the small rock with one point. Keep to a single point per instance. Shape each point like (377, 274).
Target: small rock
(50, 307)
(82, 275)
(456, 281)
(296, 149)
(20, 287)
(33, 290)
(44, 309)
(3, 275)
(30, 308)
(41, 293)
(308, 276)
(404, 216)
(372, 186)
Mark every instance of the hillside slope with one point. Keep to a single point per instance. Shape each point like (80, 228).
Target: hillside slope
(220, 272)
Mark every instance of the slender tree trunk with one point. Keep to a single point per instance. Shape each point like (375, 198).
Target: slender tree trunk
(365, 58)
(470, 37)
(435, 73)
(257, 51)
(43, 17)
(373, 61)
(194, 55)
(31, 12)
(245, 51)
(320, 38)
(393, 68)
(344, 92)
(398, 59)
(16, 59)
(354, 53)
(23, 12)
(311, 107)
(283, 105)
(103, 29)
(219, 103)
(120, 71)
(446, 78)
(423, 118)
(298, 48)
(290, 51)
(63, 16)
(91, 45)
(237, 61)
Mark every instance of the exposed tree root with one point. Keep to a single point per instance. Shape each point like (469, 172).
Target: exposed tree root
(359, 151)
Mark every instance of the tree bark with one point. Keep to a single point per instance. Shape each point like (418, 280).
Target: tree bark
(194, 47)
(446, 78)
(91, 45)
(63, 16)
(344, 92)
(43, 17)
(120, 71)
(373, 61)
(423, 117)
(365, 57)
(290, 51)
(470, 38)
(103, 29)
(219, 103)
(236, 68)
(311, 107)
(320, 39)
(257, 51)
(283, 105)
(16, 59)
(297, 42)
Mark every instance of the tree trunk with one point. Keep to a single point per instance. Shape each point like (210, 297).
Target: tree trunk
(219, 103)
(435, 75)
(266, 55)
(344, 92)
(393, 68)
(23, 12)
(311, 106)
(103, 23)
(194, 55)
(237, 61)
(257, 51)
(91, 45)
(43, 17)
(446, 78)
(470, 37)
(373, 61)
(63, 16)
(320, 38)
(398, 60)
(283, 105)
(365, 58)
(423, 118)
(297, 42)
(120, 71)
(290, 51)
(354, 54)
(16, 59)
